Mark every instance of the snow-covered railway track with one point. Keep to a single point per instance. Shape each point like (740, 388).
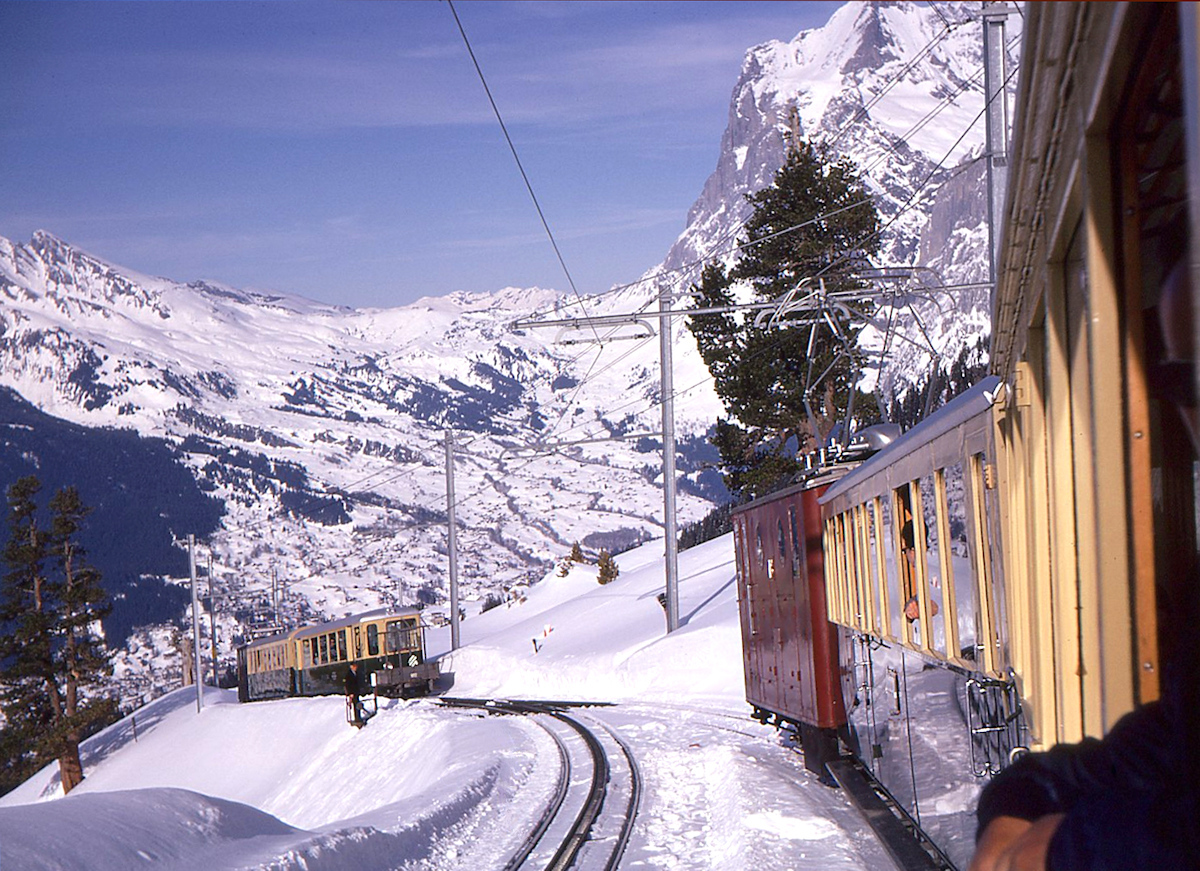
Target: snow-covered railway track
(575, 831)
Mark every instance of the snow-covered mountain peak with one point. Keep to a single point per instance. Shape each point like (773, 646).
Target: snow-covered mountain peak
(895, 86)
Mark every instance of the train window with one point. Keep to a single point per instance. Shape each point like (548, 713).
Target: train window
(402, 635)
(833, 596)
(878, 567)
(936, 638)
(324, 642)
(841, 572)
(743, 560)
(892, 604)
(373, 639)
(782, 541)
(795, 540)
(984, 622)
(862, 570)
(871, 567)
(858, 603)
(759, 553)
(313, 658)
(960, 592)
(846, 568)
(906, 560)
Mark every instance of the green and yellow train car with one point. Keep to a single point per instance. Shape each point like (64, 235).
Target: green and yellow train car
(387, 645)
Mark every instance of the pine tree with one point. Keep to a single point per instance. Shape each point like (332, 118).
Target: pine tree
(785, 389)
(51, 658)
(608, 568)
(576, 553)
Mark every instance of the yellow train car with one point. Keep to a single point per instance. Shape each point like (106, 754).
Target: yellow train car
(387, 645)
(1098, 496)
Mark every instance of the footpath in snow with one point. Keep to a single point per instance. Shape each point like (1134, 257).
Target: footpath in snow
(289, 785)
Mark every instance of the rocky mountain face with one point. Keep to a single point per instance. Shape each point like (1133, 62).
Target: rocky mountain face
(322, 430)
(897, 88)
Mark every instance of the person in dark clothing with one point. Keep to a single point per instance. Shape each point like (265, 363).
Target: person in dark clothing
(1128, 801)
(352, 695)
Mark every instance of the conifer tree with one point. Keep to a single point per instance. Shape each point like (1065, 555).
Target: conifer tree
(51, 656)
(816, 222)
(576, 553)
(608, 568)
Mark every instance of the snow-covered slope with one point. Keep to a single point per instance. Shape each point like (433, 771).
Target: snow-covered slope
(289, 785)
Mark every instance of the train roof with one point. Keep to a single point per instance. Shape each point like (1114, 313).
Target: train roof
(318, 628)
(354, 620)
(960, 409)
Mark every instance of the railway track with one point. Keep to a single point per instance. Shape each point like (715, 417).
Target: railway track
(587, 821)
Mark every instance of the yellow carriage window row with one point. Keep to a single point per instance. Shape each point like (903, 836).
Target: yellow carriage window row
(906, 566)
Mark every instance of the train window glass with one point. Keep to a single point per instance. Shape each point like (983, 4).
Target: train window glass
(759, 553)
(846, 565)
(846, 552)
(906, 561)
(863, 561)
(870, 557)
(849, 560)
(795, 540)
(933, 565)
(324, 649)
(373, 640)
(878, 568)
(854, 569)
(982, 502)
(961, 594)
(314, 658)
(341, 643)
(397, 637)
(887, 544)
(739, 540)
(833, 596)
(843, 570)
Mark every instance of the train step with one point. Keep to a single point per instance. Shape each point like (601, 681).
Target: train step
(908, 846)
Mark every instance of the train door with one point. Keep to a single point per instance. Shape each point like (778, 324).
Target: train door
(243, 676)
(1156, 239)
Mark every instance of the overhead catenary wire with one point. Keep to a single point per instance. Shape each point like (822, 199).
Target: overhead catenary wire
(516, 157)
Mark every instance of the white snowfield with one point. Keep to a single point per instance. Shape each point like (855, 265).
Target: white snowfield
(290, 785)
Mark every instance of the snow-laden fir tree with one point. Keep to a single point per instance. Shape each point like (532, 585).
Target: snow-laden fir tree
(608, 568)
(784, 389)
(52, 656)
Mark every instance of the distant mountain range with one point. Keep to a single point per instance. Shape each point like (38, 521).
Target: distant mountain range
(322, 430)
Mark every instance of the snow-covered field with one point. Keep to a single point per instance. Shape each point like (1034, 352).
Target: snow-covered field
(288, 784)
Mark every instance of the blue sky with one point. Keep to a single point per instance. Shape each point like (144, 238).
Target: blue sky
(347, 152)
